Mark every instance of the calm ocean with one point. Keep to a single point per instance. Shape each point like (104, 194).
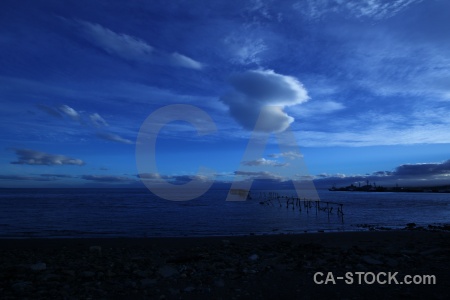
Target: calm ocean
(138, 213)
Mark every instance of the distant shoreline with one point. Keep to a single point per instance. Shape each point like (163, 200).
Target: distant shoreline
(381, 189)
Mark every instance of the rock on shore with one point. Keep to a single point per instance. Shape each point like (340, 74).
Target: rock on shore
(253, 267)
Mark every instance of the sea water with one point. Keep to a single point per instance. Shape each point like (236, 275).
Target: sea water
(139, 213)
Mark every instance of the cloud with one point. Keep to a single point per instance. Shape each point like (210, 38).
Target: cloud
(263, 162)
(131, 48)
(388, 133)
(289, 155)
(184, 61)
(382, 173)
(409, 174)
(97, 120)
(174, 179)
(338, 175)
(264, 91)
(93, 120)
(150, 176)
(32, 157)
(113, 137)
(69, 111)
(377, 9)
(122, 45)
(423, 169)
(246, 50)
(318, 108)
(182, 179)
(249, 41)
(414, 69)
(259, 175)
(107, 178)
(330, 106)
(20, 177)
(372, 9)
(49, 110)
(56, 176)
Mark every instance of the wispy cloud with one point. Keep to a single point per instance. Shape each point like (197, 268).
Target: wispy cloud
(50, 110)
(89, 120)
(387, 63)
(32, 157)
(372, 9)
(131, 48)
(246, 50)
(264, 90)
(113, 137)
(247, 42)
(317, 108)
(93, 119)
(122, 45)
(181, 60)
(97, 120)
(378, 9)
(361, 134)
(69, 111)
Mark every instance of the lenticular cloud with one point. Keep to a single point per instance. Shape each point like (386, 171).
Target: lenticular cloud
(264, 91)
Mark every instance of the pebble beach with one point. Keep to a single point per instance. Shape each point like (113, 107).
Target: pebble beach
(238, 267)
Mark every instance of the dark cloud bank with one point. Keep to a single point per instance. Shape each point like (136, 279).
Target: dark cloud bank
(421, 174)
(32, 157)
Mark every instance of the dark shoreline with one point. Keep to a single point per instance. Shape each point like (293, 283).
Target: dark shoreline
(236, 267)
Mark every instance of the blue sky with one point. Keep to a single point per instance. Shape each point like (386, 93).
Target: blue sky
(364, 86)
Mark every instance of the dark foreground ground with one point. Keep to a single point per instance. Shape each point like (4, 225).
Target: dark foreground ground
(250, 267)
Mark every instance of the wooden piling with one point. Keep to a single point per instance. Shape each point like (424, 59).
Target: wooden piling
(267, 198)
